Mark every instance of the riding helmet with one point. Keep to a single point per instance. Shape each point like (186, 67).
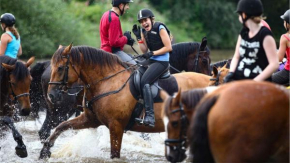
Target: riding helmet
(286, 16)
(7, 19)
(144, 13)
(250, 7)
(116, 3)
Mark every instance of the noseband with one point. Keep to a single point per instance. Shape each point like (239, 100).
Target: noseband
(217, 79)
(16, 96)
(181, 142)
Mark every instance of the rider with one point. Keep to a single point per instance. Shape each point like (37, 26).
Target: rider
(112, 38)
(254, 56)
(10, 40)
(282, 77)
(154, 36)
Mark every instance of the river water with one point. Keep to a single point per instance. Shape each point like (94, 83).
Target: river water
(87, 145)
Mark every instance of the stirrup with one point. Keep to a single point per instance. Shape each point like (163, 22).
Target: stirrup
(139, 120)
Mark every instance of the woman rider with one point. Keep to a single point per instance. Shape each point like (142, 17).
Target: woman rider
(10, 40)
(156, 37)
(255, 55)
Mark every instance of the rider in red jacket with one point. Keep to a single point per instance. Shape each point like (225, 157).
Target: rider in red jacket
(112, 37)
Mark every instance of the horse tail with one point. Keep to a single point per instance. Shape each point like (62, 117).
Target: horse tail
(198, 133)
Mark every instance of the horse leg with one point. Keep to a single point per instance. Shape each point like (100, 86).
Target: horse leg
(20, 148)
(116, 136)
(46, 127)
(79, 122)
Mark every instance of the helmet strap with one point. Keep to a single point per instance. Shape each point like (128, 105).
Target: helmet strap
(122, 11)
(244, 19)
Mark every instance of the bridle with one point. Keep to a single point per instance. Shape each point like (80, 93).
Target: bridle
(182, 141)
(196, 59)
(14, 95)
(217, 79)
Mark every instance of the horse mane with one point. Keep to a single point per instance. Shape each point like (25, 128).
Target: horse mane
(192, 97)
(37, 70)
(91, 56)
(221, 64)
(20, 72)
(183, 50)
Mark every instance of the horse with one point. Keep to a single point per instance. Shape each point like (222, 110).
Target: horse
(190, 56)
(178, 111)
(218, 75)
(105, 79)
(57, 112)
(218, 64)
(242, 121)
(15, 81)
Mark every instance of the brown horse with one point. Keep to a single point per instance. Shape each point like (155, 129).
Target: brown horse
(105, 77)
(178, 111)
(218, 75)
(15, 82)
(243, 121)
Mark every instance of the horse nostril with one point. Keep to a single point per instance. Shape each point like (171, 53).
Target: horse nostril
(25, 112)
(51, 97)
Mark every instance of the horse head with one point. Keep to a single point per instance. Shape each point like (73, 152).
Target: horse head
(176, 143)
(218, 75)
(202, 59)
(63, 74)
(19, 84)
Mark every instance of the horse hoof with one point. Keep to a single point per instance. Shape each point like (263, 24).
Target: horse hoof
(44, 154)
(21, 151)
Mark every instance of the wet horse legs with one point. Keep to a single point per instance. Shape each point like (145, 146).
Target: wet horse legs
(116, 135)
(20, 148)
(80, 122)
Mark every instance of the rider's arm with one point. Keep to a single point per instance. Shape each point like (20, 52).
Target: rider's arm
(166, 42)
(270, 50)
(5, 38)
(19, 51)
(282, 48)
(236, 56)
(116, 38)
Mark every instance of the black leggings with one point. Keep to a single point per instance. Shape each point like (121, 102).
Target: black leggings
(153, 72)
(281, 77)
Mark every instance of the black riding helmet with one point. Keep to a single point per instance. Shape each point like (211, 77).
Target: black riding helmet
(286, 16)
(7, 19)
(250, 7)
(144, 13)
(115, 3)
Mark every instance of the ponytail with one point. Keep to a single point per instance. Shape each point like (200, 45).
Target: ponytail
(14, 31)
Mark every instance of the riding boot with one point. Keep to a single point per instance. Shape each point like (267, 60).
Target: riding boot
(149, 119)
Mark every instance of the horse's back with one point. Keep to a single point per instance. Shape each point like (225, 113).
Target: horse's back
(191, 80)
(249, 122)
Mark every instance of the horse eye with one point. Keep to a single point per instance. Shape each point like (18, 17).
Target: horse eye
(174, 124)
(204, 61)
(60, 68)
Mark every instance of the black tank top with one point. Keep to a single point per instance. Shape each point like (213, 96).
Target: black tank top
(253, 59)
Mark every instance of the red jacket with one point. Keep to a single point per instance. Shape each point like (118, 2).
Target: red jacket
(111, 32)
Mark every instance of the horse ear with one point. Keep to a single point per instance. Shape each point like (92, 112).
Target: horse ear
(203, 44)
(30, 61)
(163, 95)
(225, 66)
(60, 46)
(67, 50)
(215, 71)
(177, 98)
(8, 68)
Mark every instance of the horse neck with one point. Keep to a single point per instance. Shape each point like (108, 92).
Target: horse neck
(91, 75)
(4, 94)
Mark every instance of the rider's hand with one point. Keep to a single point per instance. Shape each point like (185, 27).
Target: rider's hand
(137, 31)
(130, 40)
(229, 77)
(147, 55)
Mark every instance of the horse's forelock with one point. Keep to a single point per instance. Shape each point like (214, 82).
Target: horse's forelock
(192, 97)
(20, 72)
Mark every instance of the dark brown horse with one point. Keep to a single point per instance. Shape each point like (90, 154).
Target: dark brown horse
(190, 56)
(108, 97)
(243, 121)
(178, 111)
(15, 82)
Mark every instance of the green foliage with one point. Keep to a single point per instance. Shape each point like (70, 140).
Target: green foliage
(44, 24)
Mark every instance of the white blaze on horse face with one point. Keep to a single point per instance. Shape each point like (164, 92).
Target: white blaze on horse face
(165, 121)
(211, 89)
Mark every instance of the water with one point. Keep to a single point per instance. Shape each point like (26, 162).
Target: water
(87, 145)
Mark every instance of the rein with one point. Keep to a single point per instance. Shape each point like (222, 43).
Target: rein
(217, 79)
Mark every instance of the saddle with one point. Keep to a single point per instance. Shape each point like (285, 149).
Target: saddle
(165, 82)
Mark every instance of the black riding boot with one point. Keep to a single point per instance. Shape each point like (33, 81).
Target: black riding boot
(149, 119)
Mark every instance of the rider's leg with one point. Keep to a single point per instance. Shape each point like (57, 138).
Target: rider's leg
(125, 57)
(152, 74)
(281, 77)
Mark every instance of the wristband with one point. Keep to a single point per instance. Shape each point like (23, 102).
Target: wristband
(140, 42)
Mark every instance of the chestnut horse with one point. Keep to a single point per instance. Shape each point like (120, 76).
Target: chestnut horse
(105, 78)
(242, 121)
(218, 75)
(15, 82)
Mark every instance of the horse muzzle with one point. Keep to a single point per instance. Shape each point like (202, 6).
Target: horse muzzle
(55, 96)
